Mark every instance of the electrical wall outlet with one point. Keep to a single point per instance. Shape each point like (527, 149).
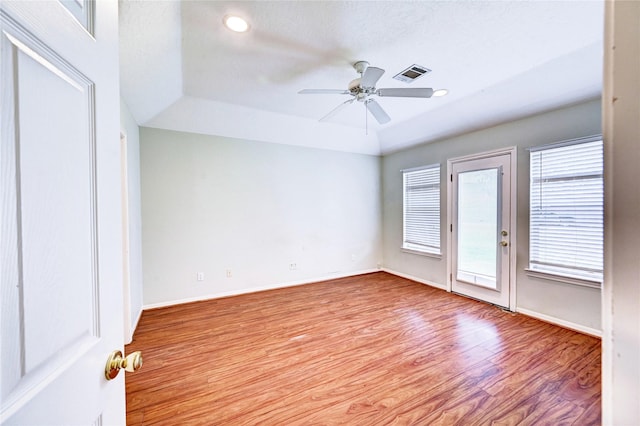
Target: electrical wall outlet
(293, 266)
(200, 276)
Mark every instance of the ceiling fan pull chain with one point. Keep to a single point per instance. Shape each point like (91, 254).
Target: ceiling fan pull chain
(366, 121)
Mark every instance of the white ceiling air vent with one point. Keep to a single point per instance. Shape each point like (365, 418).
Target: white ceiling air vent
(412, 73)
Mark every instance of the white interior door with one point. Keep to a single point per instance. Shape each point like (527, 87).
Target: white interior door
(60, 233)
(481, 223)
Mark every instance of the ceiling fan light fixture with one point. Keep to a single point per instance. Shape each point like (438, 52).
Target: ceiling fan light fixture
(236, 23)
(440, 92)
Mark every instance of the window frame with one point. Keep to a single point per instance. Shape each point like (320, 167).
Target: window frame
(416, 248)
(539, 270)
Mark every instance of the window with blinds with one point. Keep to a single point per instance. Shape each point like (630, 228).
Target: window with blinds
(421, 191)
(566, 209)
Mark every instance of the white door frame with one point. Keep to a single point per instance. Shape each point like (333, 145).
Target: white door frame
(513, 153)
(126, 248)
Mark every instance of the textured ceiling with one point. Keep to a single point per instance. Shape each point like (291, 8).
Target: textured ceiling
(500, 60)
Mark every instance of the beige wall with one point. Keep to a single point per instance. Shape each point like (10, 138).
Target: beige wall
(212, 204)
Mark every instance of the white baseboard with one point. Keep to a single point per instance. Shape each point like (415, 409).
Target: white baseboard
(562, 323)
(256, 289)
(412, 278)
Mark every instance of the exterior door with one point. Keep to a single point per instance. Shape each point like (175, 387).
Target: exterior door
(60, 224)
(481, 227)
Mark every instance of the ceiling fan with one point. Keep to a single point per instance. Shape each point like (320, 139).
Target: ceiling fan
(363, 88)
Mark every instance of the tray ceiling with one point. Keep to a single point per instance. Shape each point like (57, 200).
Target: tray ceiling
(181, 69)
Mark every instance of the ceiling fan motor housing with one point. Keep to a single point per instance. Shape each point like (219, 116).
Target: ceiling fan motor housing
(354, 85)
(361, 93)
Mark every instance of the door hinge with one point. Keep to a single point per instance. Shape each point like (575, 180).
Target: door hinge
(451, 277)
(451, 227)
(451, 177)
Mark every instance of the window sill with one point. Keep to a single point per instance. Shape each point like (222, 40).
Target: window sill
(421, 253)
(563, 279)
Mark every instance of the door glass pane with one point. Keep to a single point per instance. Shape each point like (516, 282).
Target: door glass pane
(477, 227)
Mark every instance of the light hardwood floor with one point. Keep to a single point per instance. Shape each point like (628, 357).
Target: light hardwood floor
(374, 349)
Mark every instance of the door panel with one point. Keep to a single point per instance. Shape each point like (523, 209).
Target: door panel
(60, 263)
(481, 228)
(56, 204)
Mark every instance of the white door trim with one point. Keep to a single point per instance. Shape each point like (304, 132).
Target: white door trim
(513, 155)
(126, 247)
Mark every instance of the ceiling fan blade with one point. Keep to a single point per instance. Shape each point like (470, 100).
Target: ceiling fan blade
(323, 92)
(337, 109)
(376, 110)
(406, 92)
(371, 76)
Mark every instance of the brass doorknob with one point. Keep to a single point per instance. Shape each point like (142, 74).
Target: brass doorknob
(504, 243)
(116, 362)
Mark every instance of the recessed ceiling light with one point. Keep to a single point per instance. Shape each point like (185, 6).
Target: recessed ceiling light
(440, 92)
(236, 23)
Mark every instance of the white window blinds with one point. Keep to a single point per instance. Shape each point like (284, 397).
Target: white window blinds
(566, 210)
(421, 189)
